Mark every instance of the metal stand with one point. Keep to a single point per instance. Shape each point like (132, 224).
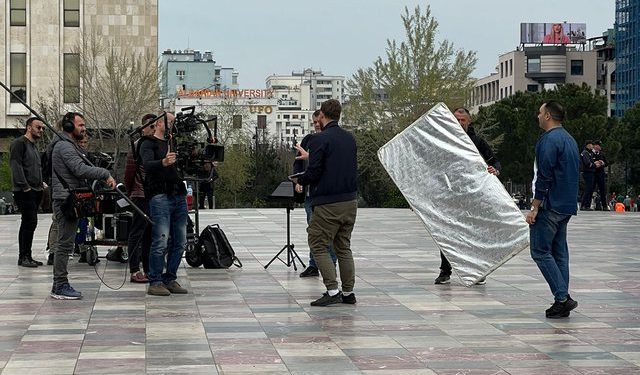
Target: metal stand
(291, 253)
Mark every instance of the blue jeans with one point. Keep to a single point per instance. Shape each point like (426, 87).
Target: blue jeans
(168, 235)
(312, 262)
(550, 251)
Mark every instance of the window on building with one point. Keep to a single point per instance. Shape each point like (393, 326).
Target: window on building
(302, 117)
(262, 121)
(18, 12)
(18, 79)
(71, 13)
(295, 117)
(180, 74)
(533, 65)
(577, 67)
(510, 90)
(501, 94)
(287, 131)
(532, 88)
(278, 116)
(286, 117)
(234, 80)
(71, 78)
(216, 72)
(501, 70)
(511, 67)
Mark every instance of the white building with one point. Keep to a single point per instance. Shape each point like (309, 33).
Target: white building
(284, 108)
(306, 90)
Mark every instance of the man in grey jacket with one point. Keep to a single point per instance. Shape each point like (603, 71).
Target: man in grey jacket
(68, 165)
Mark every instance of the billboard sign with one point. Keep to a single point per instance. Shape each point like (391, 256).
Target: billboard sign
(553, 33)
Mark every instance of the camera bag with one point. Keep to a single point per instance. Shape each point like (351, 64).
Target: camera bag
(215, 250)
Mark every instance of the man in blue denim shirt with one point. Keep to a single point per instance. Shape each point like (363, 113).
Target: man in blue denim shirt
(555, 186)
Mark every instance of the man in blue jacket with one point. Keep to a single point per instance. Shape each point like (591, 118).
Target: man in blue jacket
(332, 176)
(555, 187)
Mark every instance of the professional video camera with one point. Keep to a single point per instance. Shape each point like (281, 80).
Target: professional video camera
(193, 153)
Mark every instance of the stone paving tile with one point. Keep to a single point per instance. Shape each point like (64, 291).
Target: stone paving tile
(257, 321)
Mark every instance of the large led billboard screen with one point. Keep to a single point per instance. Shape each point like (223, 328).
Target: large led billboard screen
(553, 33)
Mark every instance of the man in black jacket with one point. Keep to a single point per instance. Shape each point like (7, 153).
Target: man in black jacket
(299, 166)
(600, 175)
(464, 119)
(168, 210)
(26, 174)
(588, 169)
(332, 176)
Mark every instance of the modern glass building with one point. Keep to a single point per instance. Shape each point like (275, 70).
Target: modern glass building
(627, 55)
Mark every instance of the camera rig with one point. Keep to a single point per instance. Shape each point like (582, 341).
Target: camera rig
(185, 137)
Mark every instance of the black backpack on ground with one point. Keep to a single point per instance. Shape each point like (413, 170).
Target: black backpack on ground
(215, 250)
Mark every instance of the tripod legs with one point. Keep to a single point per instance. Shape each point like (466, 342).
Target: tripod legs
(291, 257)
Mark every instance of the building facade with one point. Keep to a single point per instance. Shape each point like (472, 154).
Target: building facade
(306, 90)
(627, 46)
(192, 70)
(39, 51)
(533, 69)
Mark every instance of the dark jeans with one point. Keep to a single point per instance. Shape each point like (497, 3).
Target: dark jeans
(312, 262)
(139, 242)
(600, 179)
(205, 194)
(445, 266)
(64, 245)
(550, 251)
(587, 194)
(169, 216)
(28, 203)
(332, 224)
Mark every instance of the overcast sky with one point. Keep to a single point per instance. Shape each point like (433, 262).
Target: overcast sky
(262, 37)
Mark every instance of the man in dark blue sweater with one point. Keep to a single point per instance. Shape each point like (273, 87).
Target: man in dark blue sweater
(332, 176)
(555, 187)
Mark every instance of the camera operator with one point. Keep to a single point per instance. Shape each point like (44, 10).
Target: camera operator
(26, 174)
(68, 165)
(167, 207)
(139, 233)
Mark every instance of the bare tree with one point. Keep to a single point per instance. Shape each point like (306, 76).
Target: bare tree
(117, 87)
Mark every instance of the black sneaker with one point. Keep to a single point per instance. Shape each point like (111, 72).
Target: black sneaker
(349, 298)
(310, 272)
(561, 309)
(25, 262)
(443, 278)
(327, 300)
(83, 257)
(38, 263)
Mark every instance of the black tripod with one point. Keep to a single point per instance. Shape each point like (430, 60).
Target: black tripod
(284, 193)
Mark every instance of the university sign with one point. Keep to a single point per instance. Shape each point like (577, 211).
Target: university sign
(246, 93)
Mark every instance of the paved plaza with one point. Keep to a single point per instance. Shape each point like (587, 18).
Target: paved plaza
(258, 321)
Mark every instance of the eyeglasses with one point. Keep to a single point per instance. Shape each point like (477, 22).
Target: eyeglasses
(152, 126)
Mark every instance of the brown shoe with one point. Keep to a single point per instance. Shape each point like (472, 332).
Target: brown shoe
(175, 288)
(158, 290)
(138, 277)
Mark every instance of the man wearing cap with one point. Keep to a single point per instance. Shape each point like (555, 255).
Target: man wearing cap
(600, 176)
(588, 168)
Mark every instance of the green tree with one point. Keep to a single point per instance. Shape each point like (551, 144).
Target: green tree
(415, 74)
(233, 176)
(514, 120)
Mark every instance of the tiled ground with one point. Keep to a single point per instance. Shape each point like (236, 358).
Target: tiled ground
(253, 320)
